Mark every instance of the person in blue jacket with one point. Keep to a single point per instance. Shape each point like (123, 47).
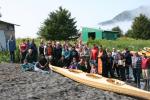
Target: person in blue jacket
(11, 45)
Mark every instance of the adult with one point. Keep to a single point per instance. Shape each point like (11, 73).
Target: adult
(41, 49)
(86, 52)
(23, 50)
(121, 66)
(49, 51)
(145, 73)
(42, 64)
(57, 52)
(128, 62)
(115, 57)
(94, 54)
(11, 48)
(110, 63)
(67, 55)
(100, 53)
(104, 64)
(30, 56)
(145, 63)
(34, 50)
(136, 65)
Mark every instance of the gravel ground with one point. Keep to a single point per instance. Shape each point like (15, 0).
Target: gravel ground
(18, 85)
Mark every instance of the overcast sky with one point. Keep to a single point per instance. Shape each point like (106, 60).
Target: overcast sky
(31, 13)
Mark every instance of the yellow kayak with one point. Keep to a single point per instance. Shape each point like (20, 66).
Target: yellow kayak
(97, 81)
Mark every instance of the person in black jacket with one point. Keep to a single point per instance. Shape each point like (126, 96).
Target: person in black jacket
(128, 62)
(41, 49)
(43, 64)
(104, 58)
(57, 52)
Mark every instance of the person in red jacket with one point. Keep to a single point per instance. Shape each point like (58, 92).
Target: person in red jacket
(23, 50)
(145, 64)
(94, 54)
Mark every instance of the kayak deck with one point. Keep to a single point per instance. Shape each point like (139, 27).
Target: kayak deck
(100, 82)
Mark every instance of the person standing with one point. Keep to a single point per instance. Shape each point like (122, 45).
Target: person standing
(49, 52)
(110, 63)
(145, 62)
(23, 50)
(11, 48)
(121, 67)
(34, 50)
(145, 73)
(136, 65)
(67, 55)
(100, 53)
(86, 52)
(57, 52)
(41, 49)
(94, 54)
(128, 62)
(115, 66)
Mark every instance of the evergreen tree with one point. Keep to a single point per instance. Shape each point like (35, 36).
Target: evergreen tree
(141, 28)
(58, 26)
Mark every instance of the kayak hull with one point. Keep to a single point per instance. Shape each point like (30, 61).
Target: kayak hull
(102, 83)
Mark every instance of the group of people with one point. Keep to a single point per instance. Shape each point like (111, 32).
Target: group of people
(115, 63)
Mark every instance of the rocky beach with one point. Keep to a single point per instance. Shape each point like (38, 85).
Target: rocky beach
(18, 85)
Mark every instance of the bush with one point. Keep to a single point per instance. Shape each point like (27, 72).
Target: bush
(4, 56)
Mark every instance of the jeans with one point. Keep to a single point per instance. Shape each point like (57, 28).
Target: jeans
(137, 76)
(12, 56)
(127, 71)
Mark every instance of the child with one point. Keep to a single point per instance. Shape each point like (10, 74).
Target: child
(93, 68)
(74, 64)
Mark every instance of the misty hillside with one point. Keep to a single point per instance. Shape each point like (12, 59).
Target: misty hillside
(124, 19)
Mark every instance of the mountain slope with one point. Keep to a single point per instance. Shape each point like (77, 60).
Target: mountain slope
(124, 20)
(129, 15)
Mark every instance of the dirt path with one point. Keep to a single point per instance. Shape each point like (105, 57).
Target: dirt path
(18, 85)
